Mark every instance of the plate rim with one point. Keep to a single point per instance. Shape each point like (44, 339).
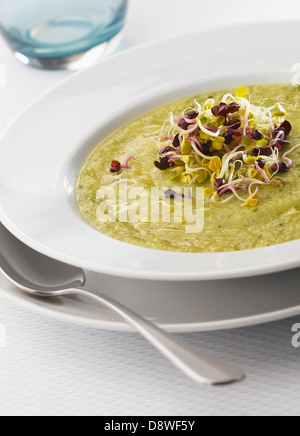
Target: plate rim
(122, 326)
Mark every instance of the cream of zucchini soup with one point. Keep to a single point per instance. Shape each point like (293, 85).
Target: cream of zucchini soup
(241, 146)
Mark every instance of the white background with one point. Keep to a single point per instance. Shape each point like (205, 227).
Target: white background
(49, 367)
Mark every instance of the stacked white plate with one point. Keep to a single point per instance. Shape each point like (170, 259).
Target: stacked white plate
(42, 151)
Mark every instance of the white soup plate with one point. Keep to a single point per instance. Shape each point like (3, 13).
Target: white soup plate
(44, 148)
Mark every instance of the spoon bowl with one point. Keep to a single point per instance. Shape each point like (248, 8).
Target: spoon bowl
(33, 272)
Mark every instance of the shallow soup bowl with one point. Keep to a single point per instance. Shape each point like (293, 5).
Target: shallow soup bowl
(43, 149)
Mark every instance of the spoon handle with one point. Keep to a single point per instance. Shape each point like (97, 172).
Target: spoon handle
(194, 363)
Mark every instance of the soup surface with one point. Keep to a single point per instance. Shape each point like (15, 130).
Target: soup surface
(228, 226)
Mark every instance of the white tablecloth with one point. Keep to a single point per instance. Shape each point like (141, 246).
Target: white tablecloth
(48, 367)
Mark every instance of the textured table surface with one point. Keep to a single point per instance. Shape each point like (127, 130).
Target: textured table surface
(52, 368)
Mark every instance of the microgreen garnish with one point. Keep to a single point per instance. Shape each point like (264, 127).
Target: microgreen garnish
(164, 163)
(234, 144)
(116, 166)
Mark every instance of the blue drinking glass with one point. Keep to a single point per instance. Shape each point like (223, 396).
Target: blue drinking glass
(59, 34)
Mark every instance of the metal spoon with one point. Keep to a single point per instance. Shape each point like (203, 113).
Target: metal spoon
(44, 277)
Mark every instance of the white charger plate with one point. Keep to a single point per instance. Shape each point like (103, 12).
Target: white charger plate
(43, 149)
(176, 306)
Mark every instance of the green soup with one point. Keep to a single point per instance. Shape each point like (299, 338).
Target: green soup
(227, 226)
